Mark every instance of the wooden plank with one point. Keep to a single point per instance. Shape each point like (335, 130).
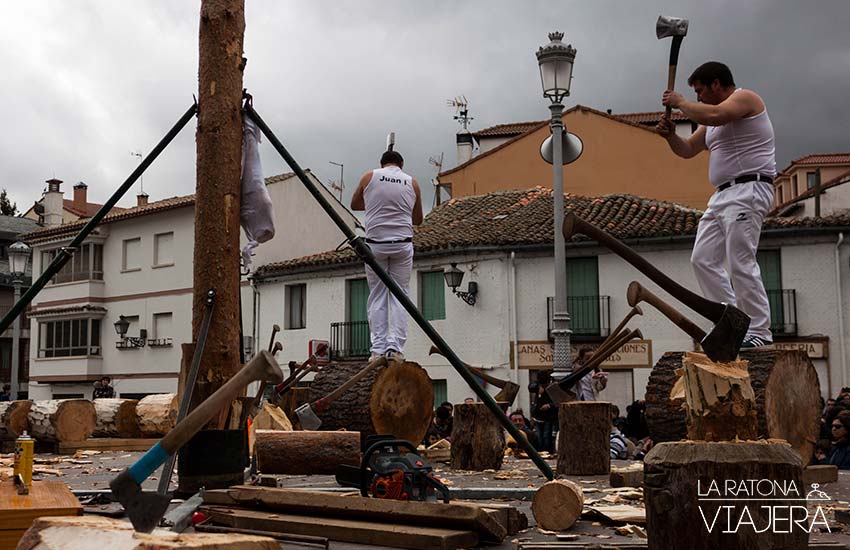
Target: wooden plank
(454, 515)
(46, 498)
(344, 530)
(107, 444)
(9, 538)
(820, 473)
(517, 521)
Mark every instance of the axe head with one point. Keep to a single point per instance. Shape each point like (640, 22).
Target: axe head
(144, 508)
(724, 341)
(670, 26)
(559, 395)
(508, 393)
(307, 417)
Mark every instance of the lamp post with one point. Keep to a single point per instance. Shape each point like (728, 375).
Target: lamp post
(19, 255)
(556, 67)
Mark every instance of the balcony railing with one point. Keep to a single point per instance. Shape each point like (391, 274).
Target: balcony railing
(783, 312)
(590, 316)
(350, 340)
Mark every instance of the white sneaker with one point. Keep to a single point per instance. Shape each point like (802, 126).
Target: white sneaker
(394, 355)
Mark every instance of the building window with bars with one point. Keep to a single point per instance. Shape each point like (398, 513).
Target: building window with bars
(296, 306)
(69, 338)
(85, 265)
(432, 295)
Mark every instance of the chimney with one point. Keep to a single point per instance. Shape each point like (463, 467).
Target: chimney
(80, 199)
(142, 199)
(52, 202)
(464, 146)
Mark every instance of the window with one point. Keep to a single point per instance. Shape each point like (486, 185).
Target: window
(163, 253)
(440, 392)
(583, 295)
(811, 180)
(296, 306)
(780, 196)
(432, 295)
(85, 264)
(131, 257)
(770, 265)
(795, 188)
(356, 338)
(69, 338)
(162, 335)
(67, 396)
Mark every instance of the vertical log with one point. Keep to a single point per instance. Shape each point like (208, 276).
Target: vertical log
(478, 439)
(584, 438)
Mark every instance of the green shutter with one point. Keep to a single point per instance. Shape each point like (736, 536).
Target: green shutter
(357, 334)
(432, 295)
(583, 295)
(440, 392)
(770, 265)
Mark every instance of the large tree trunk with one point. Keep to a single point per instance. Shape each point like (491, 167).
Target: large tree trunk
(13, 419)
(478, 439)
(116, 418)
(786, 389)
(557, 505)
(157, 414)
(305, 452)
(678, 480)
(584, 438)
(351, 411)
(59, 420)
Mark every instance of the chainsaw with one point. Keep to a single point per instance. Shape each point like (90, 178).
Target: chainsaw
(389, 471)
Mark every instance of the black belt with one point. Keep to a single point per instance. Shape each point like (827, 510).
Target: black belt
(744, 179)
(407, 240)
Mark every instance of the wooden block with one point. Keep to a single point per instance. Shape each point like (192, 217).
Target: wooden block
(107, 444)
(820, 473)
(517, 521)
(842, 515)
(345, 530)
(17, 512)
(626, 477)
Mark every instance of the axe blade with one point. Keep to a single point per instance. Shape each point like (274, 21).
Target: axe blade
(724, 341)
(670, 26)
(559, 395)
(307, 417)
(144, 508)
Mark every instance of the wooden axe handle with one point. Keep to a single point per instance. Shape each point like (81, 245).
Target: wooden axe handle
(331, 397)
(598, 358)
(674, 61)
(489, 378)
(637, 293)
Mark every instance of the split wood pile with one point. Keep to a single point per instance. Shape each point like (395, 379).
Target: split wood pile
(557, 505)
(270, 417)
(13, 419)
(305, 452)
(116, 418)
(157, 414)
(56, 420)
(478, 439)
(584, 438)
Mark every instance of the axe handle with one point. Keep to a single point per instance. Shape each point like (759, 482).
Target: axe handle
(712, 311)
(306, 368)
(637, 293)
(480, 373)
(331, 397)
(674, 61)
(597, 359)
(625, 320)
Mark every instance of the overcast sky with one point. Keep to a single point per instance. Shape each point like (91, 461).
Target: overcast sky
(87, 83)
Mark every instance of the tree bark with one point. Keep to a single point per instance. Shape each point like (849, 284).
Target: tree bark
(402, 402)
(584, 438)
(13, 419)
(305, 452)
(787, 394)
(478, 439)
(116, 418)
(679, 474)
(157, 414)
(557, 505)
(351, 411)
(60, 420)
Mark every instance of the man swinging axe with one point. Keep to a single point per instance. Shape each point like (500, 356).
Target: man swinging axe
(735, 128)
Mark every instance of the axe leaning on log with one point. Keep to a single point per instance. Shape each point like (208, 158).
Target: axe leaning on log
(507, 390)
(306, 368)
(730, 323)
(636, 293)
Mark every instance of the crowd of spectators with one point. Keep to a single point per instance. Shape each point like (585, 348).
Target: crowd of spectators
(833, 447)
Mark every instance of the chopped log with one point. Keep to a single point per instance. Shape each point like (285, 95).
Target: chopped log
(720, 403)
(270, 417)
(62, 533)
(157, 414)
(478, 439)
(631, 476)
(116, 418)
(678, 480)
(13, 419)
(402, 402)
(786, 389)
(584, 438)
(820, 474)
(305, 452)
(351, 410)
(57, 420)
(557, 505)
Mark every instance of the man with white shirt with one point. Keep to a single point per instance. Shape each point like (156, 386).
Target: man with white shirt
(736, 130)
(393, 205)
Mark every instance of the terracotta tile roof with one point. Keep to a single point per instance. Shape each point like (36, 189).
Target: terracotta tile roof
(512, 129)
(66, 310)
(90, 210)
(651, 118)
(809, 193)
(817, 159)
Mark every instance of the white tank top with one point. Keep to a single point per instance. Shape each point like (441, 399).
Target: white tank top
(389, 199)
(744, 146)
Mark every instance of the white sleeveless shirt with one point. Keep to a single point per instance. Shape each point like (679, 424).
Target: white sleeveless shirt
(389, 199)
(743, 146)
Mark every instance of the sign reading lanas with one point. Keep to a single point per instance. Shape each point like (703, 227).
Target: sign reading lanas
(540, 355)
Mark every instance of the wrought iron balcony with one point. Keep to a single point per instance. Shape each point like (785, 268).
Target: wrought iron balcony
(350, 340)
(783, 312)
(590, 316)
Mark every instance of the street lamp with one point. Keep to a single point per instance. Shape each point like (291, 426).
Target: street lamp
(122, 325)
(454, 277)
(556, 71)
(19, 255)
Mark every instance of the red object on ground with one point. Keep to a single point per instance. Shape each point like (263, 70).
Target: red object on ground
(198, 517)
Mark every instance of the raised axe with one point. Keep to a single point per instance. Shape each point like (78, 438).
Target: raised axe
(678, 29)
(306, 367)
(724, 340)
(636, 293)
(507, 390)
(307, 412)
(145, 508)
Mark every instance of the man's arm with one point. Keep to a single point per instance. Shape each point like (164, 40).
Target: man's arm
(740, 104)
(417, 206)
(357, 202)
(685, 148)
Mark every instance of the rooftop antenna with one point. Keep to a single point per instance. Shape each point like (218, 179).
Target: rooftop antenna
(341, 185)
(461, 105)
(142, 176)
(438, 163)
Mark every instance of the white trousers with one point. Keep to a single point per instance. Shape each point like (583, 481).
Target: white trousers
(724, 256)
(387, 317)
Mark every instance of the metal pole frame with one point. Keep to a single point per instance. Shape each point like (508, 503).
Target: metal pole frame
(67, 252)
(365, 253)
(562, 360)
(16, 341)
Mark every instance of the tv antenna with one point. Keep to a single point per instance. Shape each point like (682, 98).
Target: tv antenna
(461, 105)
(142, 176)
(438, 163)
(341, 186)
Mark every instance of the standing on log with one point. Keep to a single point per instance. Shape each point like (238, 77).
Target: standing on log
(393, 206)
(736, 130)
(478, 439)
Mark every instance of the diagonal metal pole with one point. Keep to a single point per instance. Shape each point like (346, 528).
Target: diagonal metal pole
(365, 253)
(67, 252)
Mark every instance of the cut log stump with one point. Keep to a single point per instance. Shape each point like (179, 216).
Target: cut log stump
(402, 402)
(557, 505)
(478, 439)
(116, 418)
(14, 419)
(679, 477)
(305, 452)
(58, 420)
(157, 414)
(584, 438)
